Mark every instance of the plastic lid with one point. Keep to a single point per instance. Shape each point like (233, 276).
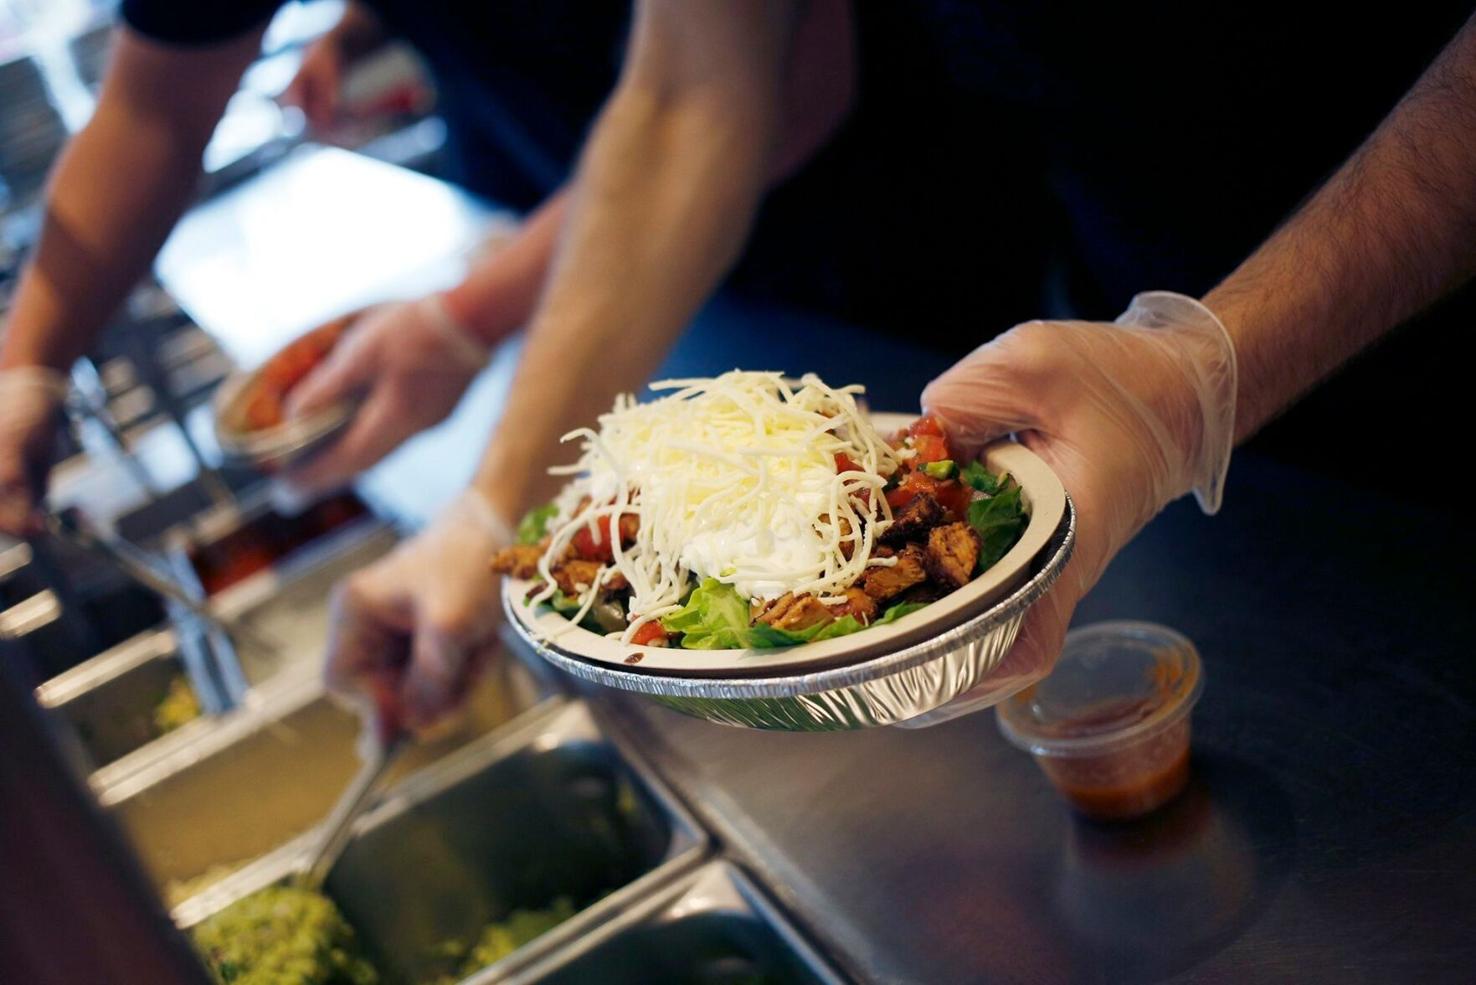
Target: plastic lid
(1116, 683)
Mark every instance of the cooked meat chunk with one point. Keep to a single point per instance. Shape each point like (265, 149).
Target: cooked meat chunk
(847, 543)
(952, 552)
(883, 583)
(629, 527)
(575, 577)
(912, 522)
(790, 611)
(519, 560)
(857, 604)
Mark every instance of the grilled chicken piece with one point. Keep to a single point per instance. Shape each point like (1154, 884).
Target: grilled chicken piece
(857, 604)
(952, 552)
(519, 560)
(883, 583)
(576, 577)
(912, 522)
(790, 611)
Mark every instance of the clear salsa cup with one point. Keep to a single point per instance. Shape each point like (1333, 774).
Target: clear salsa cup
(1110, 726)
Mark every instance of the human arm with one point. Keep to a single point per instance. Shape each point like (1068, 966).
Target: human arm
(1134, 414)
(405, 360)
(1391, 232)
(658, 210)
(318, 84)
(115, 192)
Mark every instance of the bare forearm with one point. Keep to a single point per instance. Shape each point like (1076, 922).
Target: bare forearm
(1390, 233)
(116, 190)
(615, 300)
(498, 295)
(112, 201)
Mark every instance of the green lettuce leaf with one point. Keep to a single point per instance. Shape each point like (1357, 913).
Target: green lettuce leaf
(895, 612)
(976, 475)
(716, 618)
(998, 520)
(534, 525)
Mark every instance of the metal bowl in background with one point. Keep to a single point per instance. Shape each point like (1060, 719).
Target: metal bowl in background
(274, 447)
(271, 449)
(884, 690)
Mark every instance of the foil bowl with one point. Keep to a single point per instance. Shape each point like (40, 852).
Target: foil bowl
(879, 690)
(273, 448)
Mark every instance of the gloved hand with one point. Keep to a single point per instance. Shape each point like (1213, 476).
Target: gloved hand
(30, 398)
(410, 631)
(318, 84)
(1130, 415)
(410, 362)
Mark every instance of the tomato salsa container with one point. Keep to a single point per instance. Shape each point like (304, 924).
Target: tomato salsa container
(1110, 726)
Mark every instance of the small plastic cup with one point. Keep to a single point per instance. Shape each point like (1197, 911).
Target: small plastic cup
(1110, 726)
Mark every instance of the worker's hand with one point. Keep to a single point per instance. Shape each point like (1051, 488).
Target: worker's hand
(411, 631)
(318, 84)
(408, 363)
(30, 398)
(1130, 415)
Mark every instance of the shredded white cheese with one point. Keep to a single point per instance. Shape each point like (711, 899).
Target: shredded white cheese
(733, 478)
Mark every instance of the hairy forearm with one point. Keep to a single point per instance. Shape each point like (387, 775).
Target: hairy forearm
(113, 197)
(117, 189)
(1392, 231)
(661, 205)
(499, 293)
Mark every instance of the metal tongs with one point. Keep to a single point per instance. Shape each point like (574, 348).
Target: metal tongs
(140, 567)
(385, 741)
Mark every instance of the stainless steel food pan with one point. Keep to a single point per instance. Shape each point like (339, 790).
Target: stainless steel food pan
(547, 809)
(270, 771)
(714, 926)
(109, 702)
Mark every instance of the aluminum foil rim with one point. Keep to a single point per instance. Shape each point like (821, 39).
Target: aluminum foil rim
(1012, 606)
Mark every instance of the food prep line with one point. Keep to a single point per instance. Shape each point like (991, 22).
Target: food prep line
(110, 702)
(544, 813)
(226, 804)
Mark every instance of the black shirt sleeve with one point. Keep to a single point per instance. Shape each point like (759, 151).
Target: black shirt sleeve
(191, 22)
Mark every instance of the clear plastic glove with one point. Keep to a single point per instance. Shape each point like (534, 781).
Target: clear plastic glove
(30, 401)
(409, 362)
(411, 631)
(1131, 415)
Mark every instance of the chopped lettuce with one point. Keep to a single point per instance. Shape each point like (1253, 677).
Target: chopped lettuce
(534, 525)
(716, 617)
(998, 519)
(976, 475)
(897, 611)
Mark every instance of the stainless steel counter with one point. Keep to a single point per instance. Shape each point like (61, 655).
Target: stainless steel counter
(1326, 836)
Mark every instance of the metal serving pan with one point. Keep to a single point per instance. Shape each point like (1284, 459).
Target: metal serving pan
(267, 772)
(711, 928)
(109, 701)
(514, 821)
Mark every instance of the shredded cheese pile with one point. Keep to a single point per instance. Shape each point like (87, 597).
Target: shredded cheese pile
(733, 478)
